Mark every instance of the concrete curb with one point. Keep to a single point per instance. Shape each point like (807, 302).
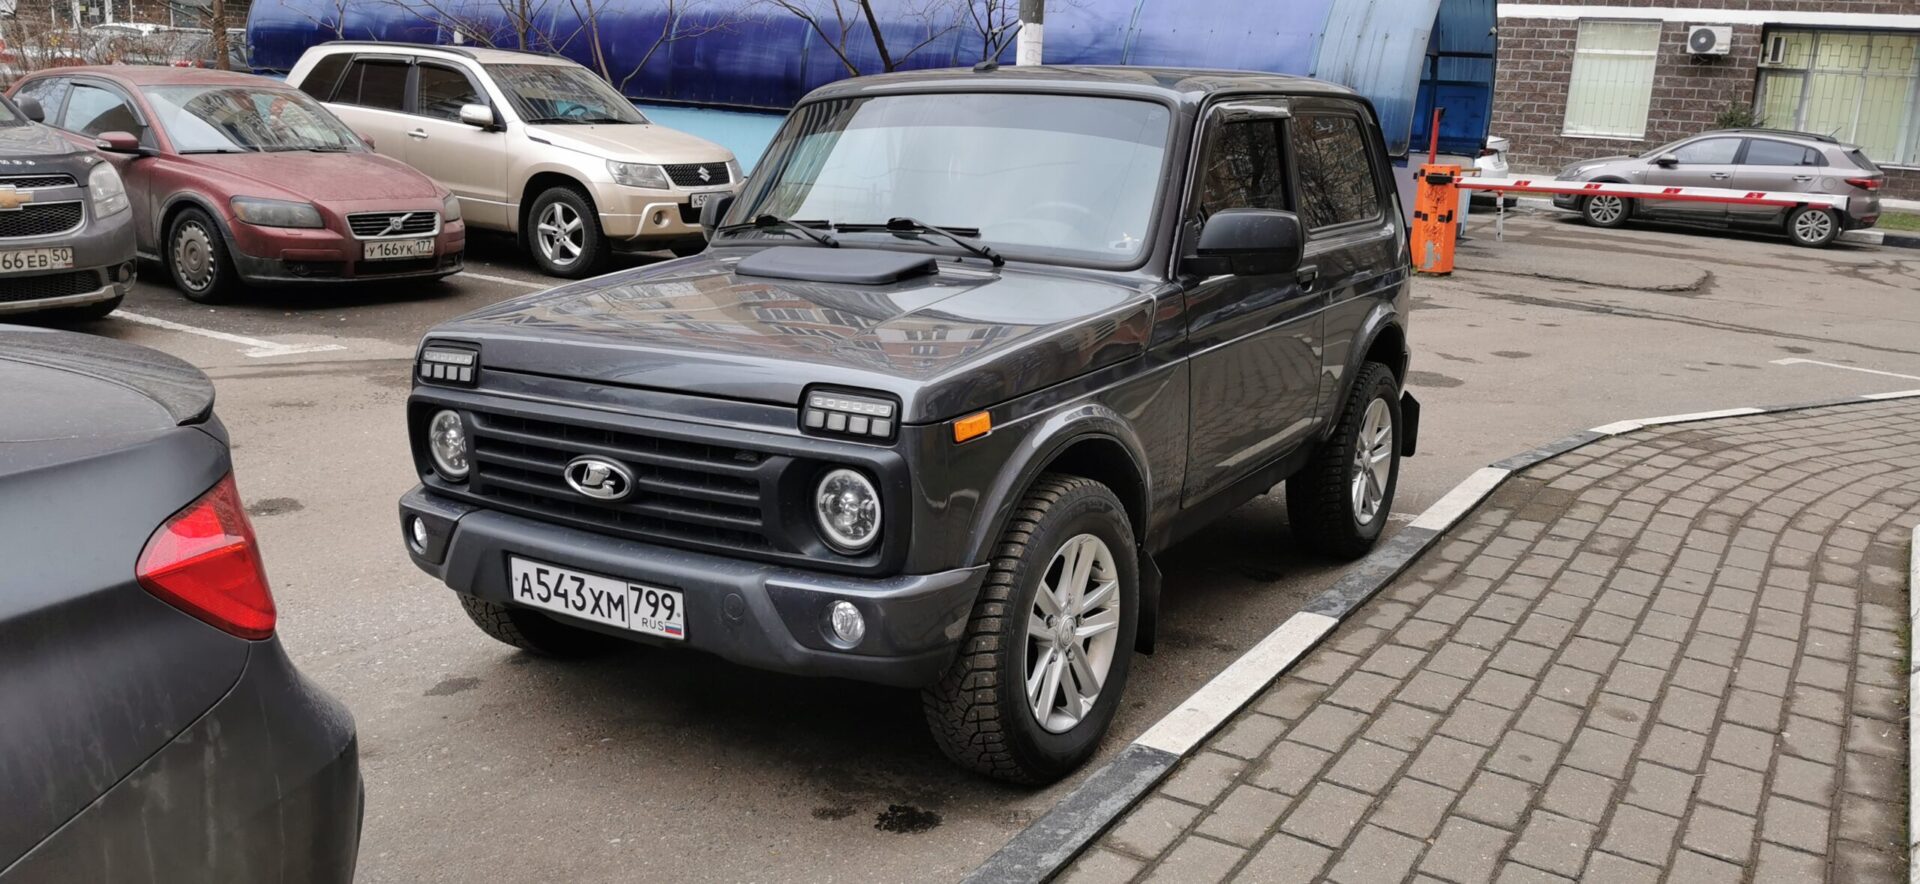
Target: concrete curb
(1047, 845)
(1913, 720)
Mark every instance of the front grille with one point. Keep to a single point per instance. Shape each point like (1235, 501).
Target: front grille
(39, 219)
(685, 492)
(52, 285)
(32, 182)
(688, 174)
(373, 225)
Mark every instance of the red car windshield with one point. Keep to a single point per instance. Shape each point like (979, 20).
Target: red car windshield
(228, 119)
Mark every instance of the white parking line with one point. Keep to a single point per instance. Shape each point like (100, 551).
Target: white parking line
(1791, 360)
(257, 348)
(506, 279)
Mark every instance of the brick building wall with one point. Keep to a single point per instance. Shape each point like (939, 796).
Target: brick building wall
(1536, 65)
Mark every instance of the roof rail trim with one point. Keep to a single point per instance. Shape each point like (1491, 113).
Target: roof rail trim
(461, 51)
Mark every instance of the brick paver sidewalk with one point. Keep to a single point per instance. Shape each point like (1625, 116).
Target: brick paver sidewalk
(1675, 654)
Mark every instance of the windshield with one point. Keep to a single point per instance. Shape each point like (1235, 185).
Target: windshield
(8, 117)
(1067, 177)
(214, 119)
(562, 93)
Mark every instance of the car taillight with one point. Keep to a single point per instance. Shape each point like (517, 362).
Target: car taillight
(204, 561)
(1867, 183)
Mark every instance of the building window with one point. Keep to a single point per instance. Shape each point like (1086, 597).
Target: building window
(1612, 79)
(1858, 86)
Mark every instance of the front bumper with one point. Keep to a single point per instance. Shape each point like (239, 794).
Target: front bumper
(113, 282)
(632, 217)
(102, 248)
(758, 615)
(283, 256)
(265, 786)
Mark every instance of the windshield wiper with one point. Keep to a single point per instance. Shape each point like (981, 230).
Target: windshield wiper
(770, 222)
(909, 225)
(223, 150)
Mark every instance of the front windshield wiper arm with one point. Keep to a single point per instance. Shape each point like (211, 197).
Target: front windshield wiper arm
(770, 222)
(909, 225)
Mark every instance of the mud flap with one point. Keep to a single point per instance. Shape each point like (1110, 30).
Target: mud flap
(1409, 423)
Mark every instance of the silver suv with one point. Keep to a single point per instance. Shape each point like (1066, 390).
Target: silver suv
(1744, 159)
(532, 144)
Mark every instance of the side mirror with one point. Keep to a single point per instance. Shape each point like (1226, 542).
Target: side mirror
(117, 142)
(478, 116)
(1247, 242)
(711, 213)
(1666, 161)
(31, 109)
(365, 140)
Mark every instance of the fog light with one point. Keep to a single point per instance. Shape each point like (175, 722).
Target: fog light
(659, 219)
(447, 443)
(417, 534)
(848, 626)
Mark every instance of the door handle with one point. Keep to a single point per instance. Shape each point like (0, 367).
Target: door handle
(1721, 176)
(1803, 177)
(1307, 276)
(418, 133)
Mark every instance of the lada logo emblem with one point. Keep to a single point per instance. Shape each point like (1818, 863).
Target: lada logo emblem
(11, 198)
(705, 175)
(599, 478)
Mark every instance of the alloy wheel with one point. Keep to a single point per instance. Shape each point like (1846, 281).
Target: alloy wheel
(1072, 633)
(1813, 227)
(1605, 209)
(1372, 461)
(561, 234)
(193, 256)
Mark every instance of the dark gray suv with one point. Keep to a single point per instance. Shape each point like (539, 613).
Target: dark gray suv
(66, 227)
(968, 352)
(1740, 159)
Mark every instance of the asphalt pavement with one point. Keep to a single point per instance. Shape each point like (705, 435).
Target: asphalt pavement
(484, 763)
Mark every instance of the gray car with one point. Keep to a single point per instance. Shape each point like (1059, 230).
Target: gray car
(66, 226)
(1742, 159)
(151, 726)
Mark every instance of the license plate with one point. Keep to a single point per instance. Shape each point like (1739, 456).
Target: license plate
(34, 260)
(700, 199)
(615, 602)
(387, 250)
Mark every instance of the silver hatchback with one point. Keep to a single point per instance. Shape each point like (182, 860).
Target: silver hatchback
(1743, 159)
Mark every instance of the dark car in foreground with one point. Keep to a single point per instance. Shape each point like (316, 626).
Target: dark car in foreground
(239, 179)
(66, 230)
(929, 406)
(154, 729)
(1739, 159)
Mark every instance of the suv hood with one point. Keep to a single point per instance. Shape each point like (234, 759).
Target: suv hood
(945, 344)
(632, 142)
(33, 140)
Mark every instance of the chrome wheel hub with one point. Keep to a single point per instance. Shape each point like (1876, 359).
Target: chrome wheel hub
(1073, 633)
(561, 234)
(1372, 461)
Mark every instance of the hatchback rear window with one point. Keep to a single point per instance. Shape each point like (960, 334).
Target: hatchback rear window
(1860, 159)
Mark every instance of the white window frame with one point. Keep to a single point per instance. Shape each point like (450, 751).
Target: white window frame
(1568, 126)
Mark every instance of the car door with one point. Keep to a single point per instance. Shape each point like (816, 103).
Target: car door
(1775, 165)
(466, 159)
(371, 98)
(1702, 162)
(1354, 237)
(1254, 340)
(95, 107)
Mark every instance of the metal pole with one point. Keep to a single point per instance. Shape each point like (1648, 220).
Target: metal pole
(1033, 17)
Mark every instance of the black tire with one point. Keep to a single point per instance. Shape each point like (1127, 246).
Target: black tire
(1320, 498)
(197, 257)
(535, 632)
(1813, 227)
(93, 312)
(1606, 211)
(978, 712)
(592, 241)
(687, 247)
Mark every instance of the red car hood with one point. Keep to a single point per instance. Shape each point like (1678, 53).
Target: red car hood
(326, 176)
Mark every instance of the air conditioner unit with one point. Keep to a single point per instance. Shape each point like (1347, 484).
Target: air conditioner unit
(1710, 39)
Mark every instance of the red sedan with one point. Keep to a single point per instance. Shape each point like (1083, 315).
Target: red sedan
(237, 178)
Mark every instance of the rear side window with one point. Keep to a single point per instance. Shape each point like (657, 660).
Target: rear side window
(1860, 160)
(1334, 164)
(1762, 152)
(442, 92)
(1243, 169)
(92, 110)
(379, 83)
(320, 81)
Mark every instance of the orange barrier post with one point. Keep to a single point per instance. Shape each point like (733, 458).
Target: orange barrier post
(1436, 203)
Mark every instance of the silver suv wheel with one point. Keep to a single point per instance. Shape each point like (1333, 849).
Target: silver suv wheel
(1071, 633)
(1812, 227)
(560, 234)
(1372, 461)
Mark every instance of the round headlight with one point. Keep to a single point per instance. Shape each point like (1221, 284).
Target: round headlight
(848, 508)
(447, 443)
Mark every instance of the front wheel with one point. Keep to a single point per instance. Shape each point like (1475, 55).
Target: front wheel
(1044, 660)
(197, 257)
(565, 234)
(1813, 227)
(1605, 210)
(1338, 502)
(533, 631)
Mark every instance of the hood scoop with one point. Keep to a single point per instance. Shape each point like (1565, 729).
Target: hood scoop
(843, 265)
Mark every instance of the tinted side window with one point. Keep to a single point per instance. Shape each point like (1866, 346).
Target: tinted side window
(320, 81)
(1334, 163)
(1243, 169)
(442, 91)
(1761, 152)
(1711, 152)
(92, 110)
(50, 92)
(374, 83)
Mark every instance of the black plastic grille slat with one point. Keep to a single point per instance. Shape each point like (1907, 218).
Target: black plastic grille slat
(30, 182)
(688, 174)
(370, 224)
(39, 220)
(14, 289)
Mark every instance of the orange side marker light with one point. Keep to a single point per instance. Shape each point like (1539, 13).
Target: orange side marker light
(971, 426)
